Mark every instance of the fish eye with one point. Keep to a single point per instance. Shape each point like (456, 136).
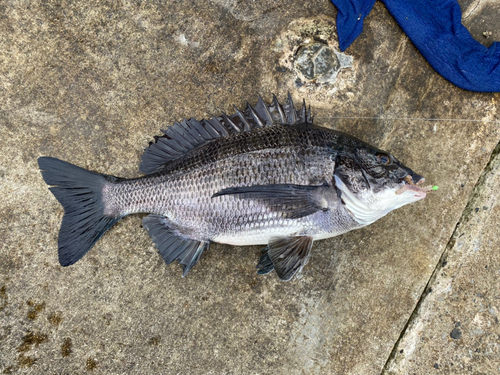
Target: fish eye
(384, 159)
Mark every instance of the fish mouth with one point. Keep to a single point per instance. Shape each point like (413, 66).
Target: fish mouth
(413, 182)
(415, 178)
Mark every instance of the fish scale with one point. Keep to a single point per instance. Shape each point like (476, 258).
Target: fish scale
(186, 194)
(265, 175)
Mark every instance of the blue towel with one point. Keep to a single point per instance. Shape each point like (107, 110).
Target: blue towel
(435, 28)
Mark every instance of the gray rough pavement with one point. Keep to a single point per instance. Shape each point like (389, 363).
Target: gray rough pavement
(455, 328)
(92, 82)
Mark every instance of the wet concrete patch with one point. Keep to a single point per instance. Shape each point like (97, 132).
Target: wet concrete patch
(310, 58)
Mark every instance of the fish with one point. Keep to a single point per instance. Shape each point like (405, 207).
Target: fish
(262, 176)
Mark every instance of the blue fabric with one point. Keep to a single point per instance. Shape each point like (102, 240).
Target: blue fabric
(435, 28)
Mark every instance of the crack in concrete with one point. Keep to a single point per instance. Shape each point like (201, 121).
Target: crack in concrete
(471, 9)
(469, 207)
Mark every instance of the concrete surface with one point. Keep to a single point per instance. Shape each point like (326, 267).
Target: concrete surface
(92, 82)
(455, 327)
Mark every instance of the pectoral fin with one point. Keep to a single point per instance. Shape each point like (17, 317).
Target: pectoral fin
(288, 255)
(294, 201)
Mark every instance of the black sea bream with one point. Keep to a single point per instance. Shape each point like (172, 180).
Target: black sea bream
(265, 175)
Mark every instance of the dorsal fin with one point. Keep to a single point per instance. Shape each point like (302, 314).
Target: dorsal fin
(277, 111)
(184, 136)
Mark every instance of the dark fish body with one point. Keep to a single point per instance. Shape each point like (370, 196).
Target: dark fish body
(261, 176)
(183, 191)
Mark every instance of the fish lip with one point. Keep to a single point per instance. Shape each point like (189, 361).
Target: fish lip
(413, 182)
(418, 191)
(419, 194)
(417, 179)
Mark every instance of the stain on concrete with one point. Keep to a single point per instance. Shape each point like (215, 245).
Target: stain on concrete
(55, 319)
(31, 339)
(36, 308)
(316, 62)
(66, 347)
(154, 341)
(310, 58)
(90, 364)
(25, 361)
(3, 297)
(456, 334)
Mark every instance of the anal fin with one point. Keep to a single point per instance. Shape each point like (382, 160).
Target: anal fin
(288, 255)
(173, 245)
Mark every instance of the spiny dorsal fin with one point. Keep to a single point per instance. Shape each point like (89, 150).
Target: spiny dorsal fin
(277, 111)
(246, 125)
(184, 136)
(291, 114)
(262, 111)
(254, 115)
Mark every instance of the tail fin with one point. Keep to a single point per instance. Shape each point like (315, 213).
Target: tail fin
(79, 192)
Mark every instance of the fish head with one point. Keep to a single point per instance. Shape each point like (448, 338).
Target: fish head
(372, 182)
